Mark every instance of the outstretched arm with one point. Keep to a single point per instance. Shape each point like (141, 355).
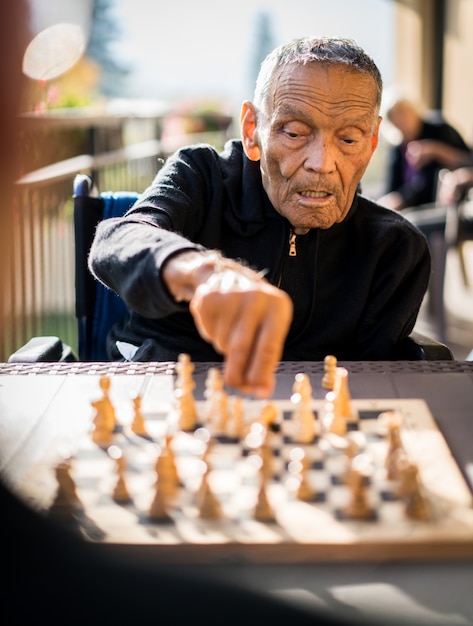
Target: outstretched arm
(422, 152)
(236, 310)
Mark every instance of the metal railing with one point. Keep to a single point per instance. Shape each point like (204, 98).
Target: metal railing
(39, 296)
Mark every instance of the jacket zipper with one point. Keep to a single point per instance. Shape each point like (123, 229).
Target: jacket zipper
(292, 243)
(292, 252)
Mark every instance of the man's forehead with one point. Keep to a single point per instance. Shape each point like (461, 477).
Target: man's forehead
(335, 84)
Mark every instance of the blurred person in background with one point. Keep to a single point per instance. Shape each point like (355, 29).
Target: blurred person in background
(427, 144)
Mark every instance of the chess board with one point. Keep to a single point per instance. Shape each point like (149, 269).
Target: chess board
(315, 529)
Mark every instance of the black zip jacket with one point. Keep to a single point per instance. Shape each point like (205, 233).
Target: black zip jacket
(356, 287)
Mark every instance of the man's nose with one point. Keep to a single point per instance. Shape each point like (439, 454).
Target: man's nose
(320, 155)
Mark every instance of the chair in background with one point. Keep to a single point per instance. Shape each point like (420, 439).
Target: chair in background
(459, 230)
(446, 228)
(98, 308)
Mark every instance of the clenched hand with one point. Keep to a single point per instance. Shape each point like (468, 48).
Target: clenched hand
(244, 317)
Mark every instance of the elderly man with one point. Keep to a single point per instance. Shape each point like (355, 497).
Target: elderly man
(266, 251)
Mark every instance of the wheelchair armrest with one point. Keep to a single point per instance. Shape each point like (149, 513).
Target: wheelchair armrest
(416, 347)
(47, 349)
(419, 347)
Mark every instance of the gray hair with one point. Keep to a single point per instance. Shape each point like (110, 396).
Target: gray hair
(324, 50)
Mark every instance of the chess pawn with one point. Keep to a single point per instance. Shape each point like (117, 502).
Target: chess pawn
(184, 372)
(342, 394)
(120, 492)
(213, 382)
(395, 448)
(302, 387)
(305, 490)
(209, 507)
(358, 507)
(106, 407)
(138, 423)
(158, 511)
(352, 449)
(166, 486)
(263, 511)
(416, 506)
(208, 504)
(184, 393)
(104, 421)
(217, 400)
(266, 455)
(394, 463)
(237, 422)
(268, 414)
(101, 435)
(271, 429)
(222, 416)
(303, 417)
(166, 470)
(333, 419)
(328, 379)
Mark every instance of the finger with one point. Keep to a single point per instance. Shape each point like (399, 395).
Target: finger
(242, 338)
(268, 351)
(234, 320)
(204, 317)
(216, 315)
(257, 346)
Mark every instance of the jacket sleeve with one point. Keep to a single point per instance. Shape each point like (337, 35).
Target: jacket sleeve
(128, 253)
(397, 290)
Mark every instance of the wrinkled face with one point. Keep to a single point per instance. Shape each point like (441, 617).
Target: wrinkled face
(314, 139)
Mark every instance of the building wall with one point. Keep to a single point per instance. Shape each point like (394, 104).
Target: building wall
(458, 74)
(417, 53)
(413, 65)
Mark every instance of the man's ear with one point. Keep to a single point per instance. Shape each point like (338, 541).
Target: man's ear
(249, 133)
(375, 137)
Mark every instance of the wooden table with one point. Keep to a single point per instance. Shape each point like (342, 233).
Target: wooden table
(48, 402)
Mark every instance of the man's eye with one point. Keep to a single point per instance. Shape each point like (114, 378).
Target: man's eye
(294, 131)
